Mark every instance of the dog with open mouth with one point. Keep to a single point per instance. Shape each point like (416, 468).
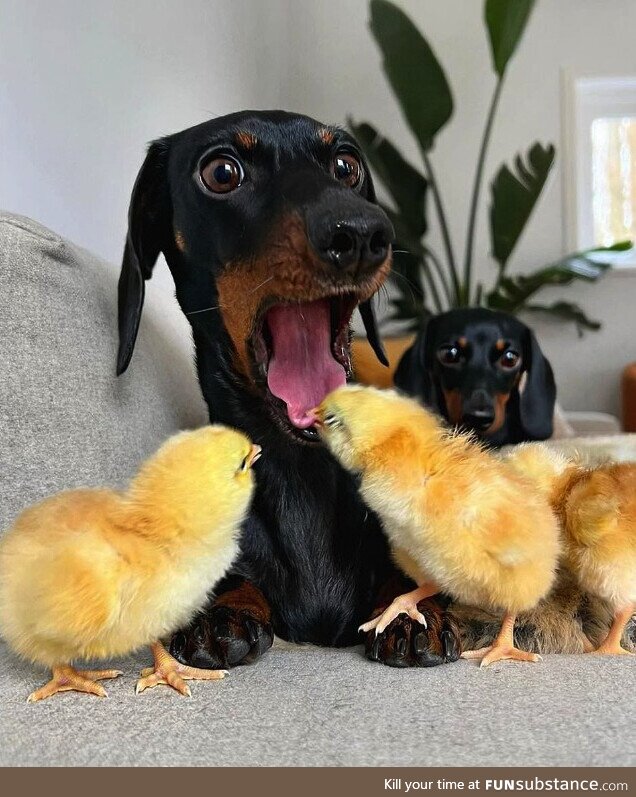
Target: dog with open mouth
(270, 227)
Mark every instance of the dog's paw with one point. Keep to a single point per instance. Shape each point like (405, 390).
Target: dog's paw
(407, 643)
(223, 637)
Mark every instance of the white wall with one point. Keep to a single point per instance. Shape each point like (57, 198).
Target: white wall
(84, 85)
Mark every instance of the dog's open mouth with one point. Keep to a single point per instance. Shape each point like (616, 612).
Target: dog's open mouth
(302, 350)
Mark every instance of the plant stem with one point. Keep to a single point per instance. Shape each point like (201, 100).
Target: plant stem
(441, 215)
(439, 269)
(472, 217)
(432, 287)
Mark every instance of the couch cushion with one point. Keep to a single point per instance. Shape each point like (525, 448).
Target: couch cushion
(304, 706)
(65, 419)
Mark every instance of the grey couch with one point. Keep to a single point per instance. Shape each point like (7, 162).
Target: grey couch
(65, 420)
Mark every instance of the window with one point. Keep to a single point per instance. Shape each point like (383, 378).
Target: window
(600, 163)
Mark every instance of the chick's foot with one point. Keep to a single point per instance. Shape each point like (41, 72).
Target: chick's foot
(68, 679)
(503, 647)
(403, 604)
(169, 671)
(611, 645)
(408, 643)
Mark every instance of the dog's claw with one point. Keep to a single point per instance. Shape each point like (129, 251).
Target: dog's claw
(405, 642)
(224, 637)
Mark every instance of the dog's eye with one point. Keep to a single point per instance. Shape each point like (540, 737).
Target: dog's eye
(509, 359)
(347, 169)
(222, 175)
(449, 355)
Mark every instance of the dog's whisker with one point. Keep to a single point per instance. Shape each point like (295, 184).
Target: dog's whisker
(205, 309)
(409, 284)
(221, 306)
(264, 282)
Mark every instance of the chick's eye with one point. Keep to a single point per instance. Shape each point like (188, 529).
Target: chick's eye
(331, 420)
(347, 169)
(449, 355)
(509, 359)
(222, 175)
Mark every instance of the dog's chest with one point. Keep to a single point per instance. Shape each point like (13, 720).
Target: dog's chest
(318, 554)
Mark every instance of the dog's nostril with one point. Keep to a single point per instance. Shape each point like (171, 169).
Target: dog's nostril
(342, 243)
(378, 242)
(479, 420)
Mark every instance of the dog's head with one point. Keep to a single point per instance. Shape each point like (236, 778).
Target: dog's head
(482, 370)
(269, 224)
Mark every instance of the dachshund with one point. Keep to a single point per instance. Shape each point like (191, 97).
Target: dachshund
(270, 227)
(482, 370)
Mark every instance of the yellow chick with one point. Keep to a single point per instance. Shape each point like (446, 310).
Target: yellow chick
(458, 520)
(94, 573)
(597, 511)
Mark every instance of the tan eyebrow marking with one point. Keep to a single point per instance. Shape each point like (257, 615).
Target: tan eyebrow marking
(462, 342)
(500, 345)
(179, 240)
(326, 135)
(245, 139)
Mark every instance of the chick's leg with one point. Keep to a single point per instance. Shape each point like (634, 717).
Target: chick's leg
(167, 670)
(68, 679)
(503, 647)
(611, 645)
(403, 604)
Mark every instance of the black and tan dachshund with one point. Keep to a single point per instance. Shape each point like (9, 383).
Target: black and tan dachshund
(482, 370)
(270, 227)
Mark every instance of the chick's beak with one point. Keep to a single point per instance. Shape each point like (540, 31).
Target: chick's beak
(255, 453)
(316, 417)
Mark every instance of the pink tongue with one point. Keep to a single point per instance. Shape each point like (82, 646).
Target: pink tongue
(302, 369)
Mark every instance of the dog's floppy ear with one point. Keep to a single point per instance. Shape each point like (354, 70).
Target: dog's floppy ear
(147, 218)
(415, 369)
(536, 400)
(370, 322)
(367, 311)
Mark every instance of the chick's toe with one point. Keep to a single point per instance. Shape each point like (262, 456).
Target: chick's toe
(403, 604)
(167, 670)
(68, 679)
(503, 647)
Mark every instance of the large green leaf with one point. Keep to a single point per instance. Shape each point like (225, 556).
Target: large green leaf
(513, 197)
(512, 293)
(414, 72)
(404, 182)
(506, 21)
(405, 238)
(410, 310)
(567, 311)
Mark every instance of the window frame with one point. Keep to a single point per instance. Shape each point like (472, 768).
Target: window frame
(586, 98)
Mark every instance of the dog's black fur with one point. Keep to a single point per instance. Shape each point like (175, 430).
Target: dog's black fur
(470, 365)
(313, 559)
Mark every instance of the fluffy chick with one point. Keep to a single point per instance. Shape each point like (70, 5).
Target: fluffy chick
(93, 573)
(597, 511)
(458, 520)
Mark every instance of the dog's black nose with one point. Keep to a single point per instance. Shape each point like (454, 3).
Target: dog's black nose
(479, 420)
(479, 411)
(351, 239)
(354, 244)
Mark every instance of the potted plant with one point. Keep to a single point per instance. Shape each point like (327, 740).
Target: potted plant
(426, 281)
